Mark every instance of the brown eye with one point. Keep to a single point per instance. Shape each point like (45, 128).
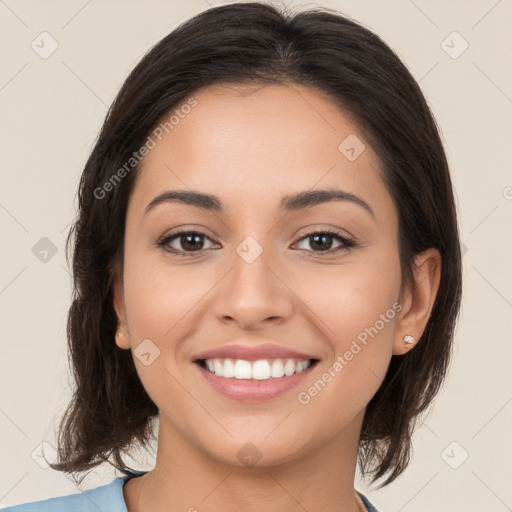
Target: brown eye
(185, 242)
(322, 241)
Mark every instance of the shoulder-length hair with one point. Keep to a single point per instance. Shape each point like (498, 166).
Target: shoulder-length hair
(255, 43)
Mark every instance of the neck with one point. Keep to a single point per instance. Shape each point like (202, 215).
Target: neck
(187, 478)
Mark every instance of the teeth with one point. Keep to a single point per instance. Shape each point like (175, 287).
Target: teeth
(277, 369)
(218, 367)
(289, 367)
(228, 370)
(262, 369)
(242, 369)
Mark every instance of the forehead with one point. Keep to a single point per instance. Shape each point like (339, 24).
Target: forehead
(257, 144)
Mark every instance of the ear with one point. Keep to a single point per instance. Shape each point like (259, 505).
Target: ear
(122, 334)
(417, 302)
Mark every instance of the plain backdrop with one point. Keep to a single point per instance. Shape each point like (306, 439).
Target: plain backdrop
(52, 106)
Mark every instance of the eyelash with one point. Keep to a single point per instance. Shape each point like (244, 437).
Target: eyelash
(348, 244)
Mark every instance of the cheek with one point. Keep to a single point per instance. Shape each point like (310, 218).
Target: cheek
(352, 296)
(356, 309)
(159, 295)
(161, 301)
(358, 314)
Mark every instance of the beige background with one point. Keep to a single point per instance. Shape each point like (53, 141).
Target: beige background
(52, 110)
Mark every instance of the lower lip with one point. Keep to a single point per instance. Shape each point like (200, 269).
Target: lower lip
(253, 390)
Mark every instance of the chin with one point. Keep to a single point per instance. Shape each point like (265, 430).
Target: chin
(255, 451)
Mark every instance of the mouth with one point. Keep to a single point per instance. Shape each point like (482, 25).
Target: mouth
(261, 370)
(254, 381)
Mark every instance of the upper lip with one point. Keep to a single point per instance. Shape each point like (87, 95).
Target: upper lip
(251, 352)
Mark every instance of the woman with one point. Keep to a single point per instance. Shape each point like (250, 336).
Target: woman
(266, 258)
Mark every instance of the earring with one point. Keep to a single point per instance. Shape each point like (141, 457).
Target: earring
(120, 334)
(409, 340)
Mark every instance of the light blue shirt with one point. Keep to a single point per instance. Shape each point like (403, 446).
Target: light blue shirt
(107, 498)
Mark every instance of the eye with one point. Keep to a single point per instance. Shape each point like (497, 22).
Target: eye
(190, 243)
(322, 241)
(185, 243)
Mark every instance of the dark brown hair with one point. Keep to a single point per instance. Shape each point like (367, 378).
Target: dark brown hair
(249, 44)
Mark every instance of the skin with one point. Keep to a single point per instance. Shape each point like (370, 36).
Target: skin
(251, 147)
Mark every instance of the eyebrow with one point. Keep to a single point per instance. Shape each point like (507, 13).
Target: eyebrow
(289, 203)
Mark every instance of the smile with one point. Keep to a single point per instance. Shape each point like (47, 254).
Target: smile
(254, 381)
(262, 369)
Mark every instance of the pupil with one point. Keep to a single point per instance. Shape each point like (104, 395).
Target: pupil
(318, 240)
(192, 242)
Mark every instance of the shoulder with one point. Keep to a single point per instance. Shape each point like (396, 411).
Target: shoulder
(107, 498)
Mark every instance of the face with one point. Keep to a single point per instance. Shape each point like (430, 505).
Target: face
(262, 273)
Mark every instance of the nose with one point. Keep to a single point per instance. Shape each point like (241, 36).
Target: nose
(253, 294)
